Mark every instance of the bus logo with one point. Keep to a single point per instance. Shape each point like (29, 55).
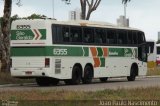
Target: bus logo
(20, 35)
(61, 52)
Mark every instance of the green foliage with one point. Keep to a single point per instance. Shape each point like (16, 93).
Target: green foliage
(35, 16)
(125, 1)
(158, 42)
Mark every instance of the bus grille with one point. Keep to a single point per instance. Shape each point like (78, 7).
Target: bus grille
(57, 66)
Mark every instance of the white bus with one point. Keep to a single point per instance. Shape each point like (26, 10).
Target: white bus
(75, 51)
(158, 54)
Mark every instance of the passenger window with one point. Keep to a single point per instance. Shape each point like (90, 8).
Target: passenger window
(56, 34)
(122, 37)
(76, 34)
(100, 36)
(111, 37)
(135, 38)
(130, 37)
(88, 34)
(65, 33)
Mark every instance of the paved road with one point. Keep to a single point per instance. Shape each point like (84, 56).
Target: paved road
(96, 85)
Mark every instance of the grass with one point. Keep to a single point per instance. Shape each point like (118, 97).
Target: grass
(69, 97)
(153, 71)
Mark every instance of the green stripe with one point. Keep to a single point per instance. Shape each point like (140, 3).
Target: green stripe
(68, 51)
(86, 50)
(100, 51)
(102, 62)
(43, 33)
(28, 51)
(120, 52)
(48, 51)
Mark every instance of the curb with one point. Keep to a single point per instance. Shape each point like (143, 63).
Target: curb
(156, 76)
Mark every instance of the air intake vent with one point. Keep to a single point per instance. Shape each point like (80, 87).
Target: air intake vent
(57, 66)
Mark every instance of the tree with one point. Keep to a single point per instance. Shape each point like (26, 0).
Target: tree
(92, 6)
(125, 1)
(4, 35)
(36, 16)
(14, 17)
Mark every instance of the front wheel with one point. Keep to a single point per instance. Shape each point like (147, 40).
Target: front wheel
(132, 76)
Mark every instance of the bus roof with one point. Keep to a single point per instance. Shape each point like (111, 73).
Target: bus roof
(77, 23)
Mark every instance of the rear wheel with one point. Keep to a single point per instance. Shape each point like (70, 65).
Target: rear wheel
(103, 79)
(132, 76)
(88, 75)
(76, 76)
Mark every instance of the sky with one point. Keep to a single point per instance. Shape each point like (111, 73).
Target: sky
(143, 14)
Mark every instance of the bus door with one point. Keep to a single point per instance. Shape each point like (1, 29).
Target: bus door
(142, 53)
(142, 57)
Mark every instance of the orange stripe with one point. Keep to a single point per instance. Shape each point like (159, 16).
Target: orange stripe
(97, 62)
(105, 52)
(94, 51)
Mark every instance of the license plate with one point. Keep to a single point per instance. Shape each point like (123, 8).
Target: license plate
(28, 72)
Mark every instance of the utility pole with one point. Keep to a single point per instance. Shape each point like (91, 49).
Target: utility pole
(125, 10)
(53, 7)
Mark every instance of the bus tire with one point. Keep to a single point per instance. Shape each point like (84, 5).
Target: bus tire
(88, 75)
(104, 79)
(43, 81)
(133, 71)
(76, 76)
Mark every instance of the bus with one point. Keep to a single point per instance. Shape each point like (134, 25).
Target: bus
(76, 51)
(152, 54)
(158, 54)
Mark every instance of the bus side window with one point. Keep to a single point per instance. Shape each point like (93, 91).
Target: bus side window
(88, 35)
(122, 37)
(56, 34)
(100, 36)
(135, 39)
(65, 33)
(130, 37)
(111, 37)
(76, 34)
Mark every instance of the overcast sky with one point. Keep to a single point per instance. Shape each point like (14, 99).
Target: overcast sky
(143, 14)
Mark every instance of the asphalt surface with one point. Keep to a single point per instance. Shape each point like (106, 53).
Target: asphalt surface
(113, 83)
